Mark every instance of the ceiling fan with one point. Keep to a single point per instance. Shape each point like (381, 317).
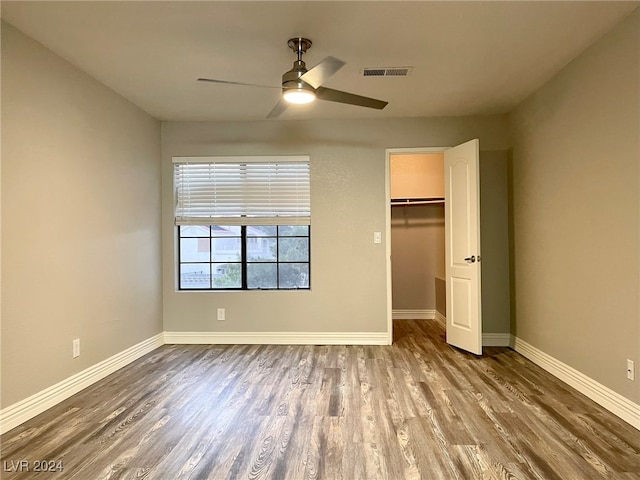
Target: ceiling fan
(300, 85)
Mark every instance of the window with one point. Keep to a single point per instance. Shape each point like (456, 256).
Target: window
(242, 223)
(244, 257)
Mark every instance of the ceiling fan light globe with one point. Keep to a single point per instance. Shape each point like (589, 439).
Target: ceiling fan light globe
(299, 96)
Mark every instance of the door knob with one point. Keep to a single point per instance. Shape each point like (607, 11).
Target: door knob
(470, 259)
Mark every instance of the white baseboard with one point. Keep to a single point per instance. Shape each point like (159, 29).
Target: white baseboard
(496, 339)
(413, 314)
(278, 338)
(488, 339)
(612, 401)
(20, 412)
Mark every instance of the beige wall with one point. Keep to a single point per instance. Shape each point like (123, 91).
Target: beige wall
(80, 220)
(576, 184)
(348, 278)
(494, 242)
(416, 175)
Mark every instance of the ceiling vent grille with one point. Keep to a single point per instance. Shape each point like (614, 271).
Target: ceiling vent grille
(387, 72)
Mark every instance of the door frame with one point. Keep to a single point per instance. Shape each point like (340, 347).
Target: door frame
(389, 152)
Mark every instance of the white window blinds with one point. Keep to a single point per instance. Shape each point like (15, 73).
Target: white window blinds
(242, 190)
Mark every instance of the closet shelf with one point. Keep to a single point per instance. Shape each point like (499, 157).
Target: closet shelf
(416, 201)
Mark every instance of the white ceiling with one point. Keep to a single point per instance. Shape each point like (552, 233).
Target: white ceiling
(469, 57)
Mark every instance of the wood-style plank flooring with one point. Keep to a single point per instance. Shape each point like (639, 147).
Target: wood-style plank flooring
(418, 409)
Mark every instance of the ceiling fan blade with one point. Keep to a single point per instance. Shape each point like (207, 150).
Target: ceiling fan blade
(227, 82)
(350, 98)
(319, 74)
(280, 107)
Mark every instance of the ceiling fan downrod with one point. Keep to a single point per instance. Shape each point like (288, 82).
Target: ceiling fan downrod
(299, 46)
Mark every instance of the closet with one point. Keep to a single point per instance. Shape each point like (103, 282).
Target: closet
(417, 234)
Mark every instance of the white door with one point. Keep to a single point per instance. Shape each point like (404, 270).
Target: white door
(462, 248)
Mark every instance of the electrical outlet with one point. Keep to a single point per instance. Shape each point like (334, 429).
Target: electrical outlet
(631, 370)
(221, 314)
(76, 348)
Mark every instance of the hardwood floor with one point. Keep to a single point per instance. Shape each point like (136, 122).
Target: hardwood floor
(416, 410)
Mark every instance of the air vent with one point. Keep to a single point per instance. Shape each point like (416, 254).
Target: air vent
(387, 72)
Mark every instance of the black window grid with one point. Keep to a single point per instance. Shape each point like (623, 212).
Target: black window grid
(244, 260)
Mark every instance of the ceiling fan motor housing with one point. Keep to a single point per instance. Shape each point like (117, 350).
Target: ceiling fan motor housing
(291, 79)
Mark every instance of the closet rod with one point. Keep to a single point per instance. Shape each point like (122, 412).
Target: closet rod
(417, 201)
